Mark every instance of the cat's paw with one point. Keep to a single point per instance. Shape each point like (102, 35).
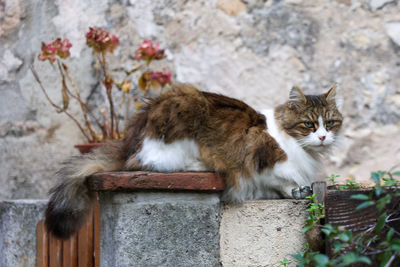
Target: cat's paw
(301, 192)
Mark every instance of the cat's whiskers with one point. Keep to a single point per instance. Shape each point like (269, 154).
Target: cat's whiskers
(303, 142)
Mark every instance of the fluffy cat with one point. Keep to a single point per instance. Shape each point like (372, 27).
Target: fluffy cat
(261, 155)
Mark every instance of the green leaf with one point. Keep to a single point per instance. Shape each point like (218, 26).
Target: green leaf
(396, 173)
(285, 262)
(395, 244)
(306, 228)
(351, 258)
(344, 237)
(360, 197)
(376, 178)
(299, 256)
(389, 235)
(365, 260)
(365, 204)
(382, 202)
(321, 260)
(313, 196)
(391, 182)
(381, 223)
(326, 231)
(378, 191)
(338, 246)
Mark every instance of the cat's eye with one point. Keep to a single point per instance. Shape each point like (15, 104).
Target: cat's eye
(329, 123)
(309, 124)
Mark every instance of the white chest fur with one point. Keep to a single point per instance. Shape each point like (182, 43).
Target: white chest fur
(300, 167)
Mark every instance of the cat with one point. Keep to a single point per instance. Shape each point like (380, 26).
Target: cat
(261, 155)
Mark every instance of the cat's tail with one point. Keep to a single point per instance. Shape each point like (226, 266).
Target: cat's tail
(70, 200)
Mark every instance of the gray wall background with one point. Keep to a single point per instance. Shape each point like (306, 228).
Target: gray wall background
(252, 50)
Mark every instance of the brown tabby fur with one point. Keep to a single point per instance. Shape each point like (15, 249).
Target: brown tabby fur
(231, 137)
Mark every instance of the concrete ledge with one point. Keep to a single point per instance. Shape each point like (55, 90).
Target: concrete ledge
(164, 228)
(18, 219)
(159, 229)
(262, 232)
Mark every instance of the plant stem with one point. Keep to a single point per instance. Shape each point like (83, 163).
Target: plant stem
(84, 107)
(109, 96)
(119, 113)
(78, 97)
(126, 114)
(59, 109)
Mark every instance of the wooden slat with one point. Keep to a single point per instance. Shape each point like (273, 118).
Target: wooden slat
(85, 244)
(197, 181)
(55, 251)
(42, 245)
(96, 230)
(319, 189)
(70, 256)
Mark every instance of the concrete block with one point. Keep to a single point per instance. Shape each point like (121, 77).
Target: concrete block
(159, 229)
(18, 219)
(262, 232)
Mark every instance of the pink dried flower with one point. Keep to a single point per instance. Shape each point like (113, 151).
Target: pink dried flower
(101, 40)
(161, 77)
(57, 48)
(149, 51)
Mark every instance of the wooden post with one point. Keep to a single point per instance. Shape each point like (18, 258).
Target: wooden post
(42, 245)
(55, 252)
(70, 246)
(82, 249)
(319, 189)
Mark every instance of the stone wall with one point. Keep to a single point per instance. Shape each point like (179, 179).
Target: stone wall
(18, 220)
(252, 50)
(170, 229)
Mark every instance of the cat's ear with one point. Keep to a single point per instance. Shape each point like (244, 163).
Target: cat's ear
(296, 95)
(333, 96)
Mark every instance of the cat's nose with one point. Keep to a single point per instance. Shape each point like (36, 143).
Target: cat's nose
(322, 138)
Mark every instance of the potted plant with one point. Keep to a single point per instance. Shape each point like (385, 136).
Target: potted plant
(107, 122)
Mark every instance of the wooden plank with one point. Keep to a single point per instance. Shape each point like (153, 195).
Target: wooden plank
(96, 232)
(197, 181)
(42, 245)
(70, 254)
(90, 225)
(55, 251)
(85, 244)
(319, 189)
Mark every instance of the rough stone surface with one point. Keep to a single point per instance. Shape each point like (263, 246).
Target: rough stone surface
(393, 30)
(159, 229)
(18, 219)
(261, 233)
(252, 50)
(377, 4)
